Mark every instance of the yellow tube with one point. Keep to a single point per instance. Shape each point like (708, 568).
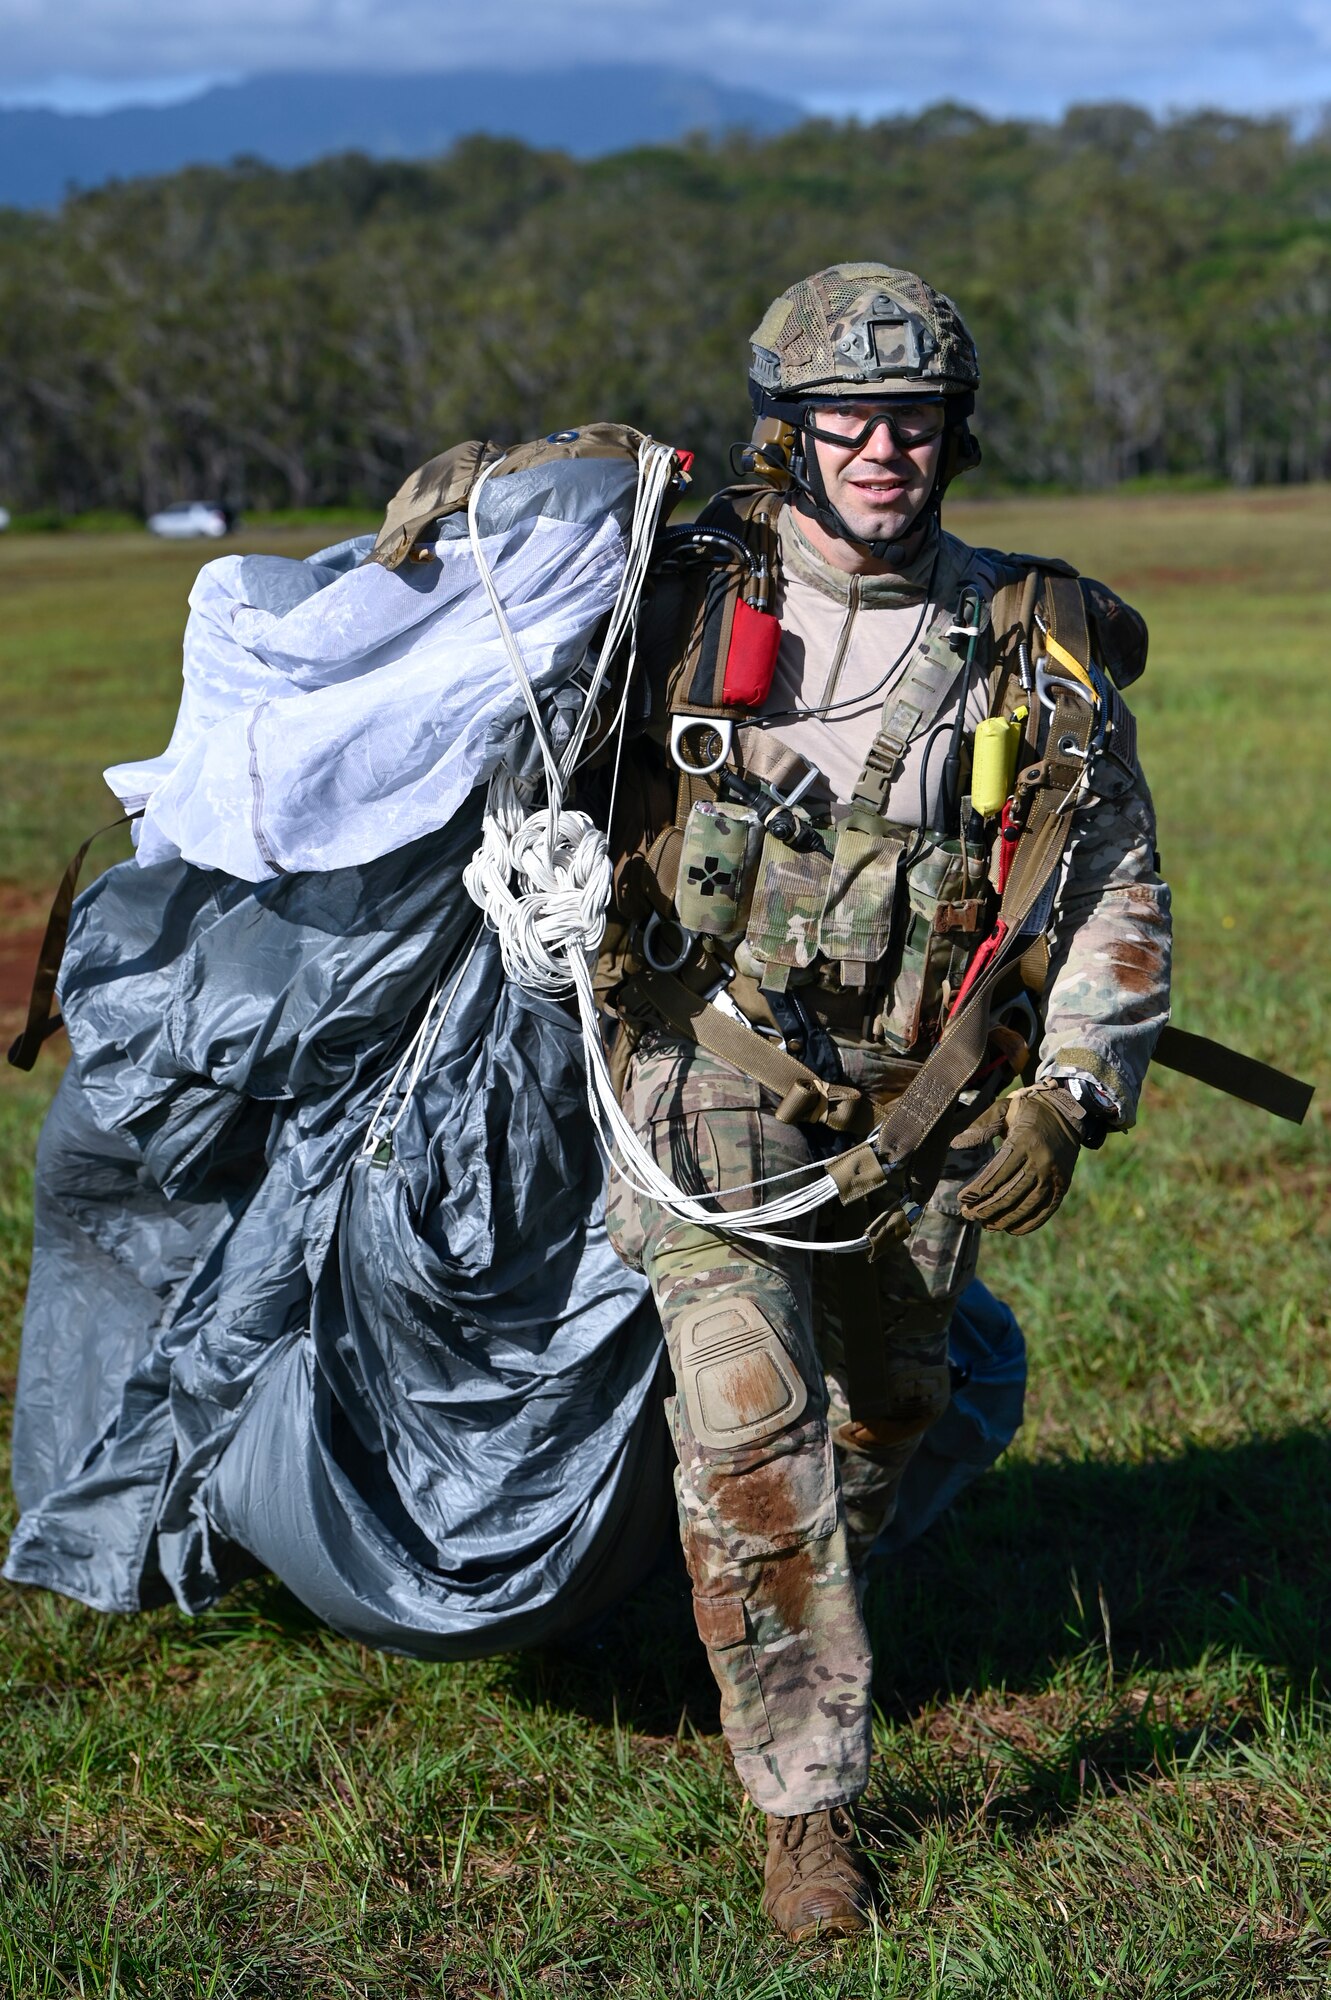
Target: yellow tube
(994, 764)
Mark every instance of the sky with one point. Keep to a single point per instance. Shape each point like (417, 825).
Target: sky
(837, 56)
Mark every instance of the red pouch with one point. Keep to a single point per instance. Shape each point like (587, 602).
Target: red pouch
(751, 659)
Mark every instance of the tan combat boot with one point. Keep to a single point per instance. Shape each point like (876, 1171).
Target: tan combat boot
(815, 1882)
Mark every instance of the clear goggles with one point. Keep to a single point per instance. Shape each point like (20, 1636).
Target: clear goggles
(910, 420)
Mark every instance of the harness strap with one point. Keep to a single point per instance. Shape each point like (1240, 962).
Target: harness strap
(909, 710)
(41, 1023)
(763, 759)
(806, 1097)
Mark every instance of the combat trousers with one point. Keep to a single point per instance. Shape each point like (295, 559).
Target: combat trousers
(781, 1496)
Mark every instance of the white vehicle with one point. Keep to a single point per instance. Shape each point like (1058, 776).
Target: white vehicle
(4, 519)
(186, 518)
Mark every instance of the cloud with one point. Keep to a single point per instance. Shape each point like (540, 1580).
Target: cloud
(1010, 56)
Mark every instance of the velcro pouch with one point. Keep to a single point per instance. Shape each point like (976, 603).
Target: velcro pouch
(755, 640)
(856, 921)
(788, 899)
(717, 865)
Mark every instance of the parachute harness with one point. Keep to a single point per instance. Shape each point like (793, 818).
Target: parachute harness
(543, 878)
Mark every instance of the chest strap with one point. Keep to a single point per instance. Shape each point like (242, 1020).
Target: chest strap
(912, 708)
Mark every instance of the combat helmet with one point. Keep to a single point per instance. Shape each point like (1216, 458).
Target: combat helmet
(857, 330)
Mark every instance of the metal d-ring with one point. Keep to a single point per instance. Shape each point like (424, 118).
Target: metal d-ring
(649, 930)
(680, 725)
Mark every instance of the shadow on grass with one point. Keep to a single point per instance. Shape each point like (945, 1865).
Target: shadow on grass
(1154, 1565)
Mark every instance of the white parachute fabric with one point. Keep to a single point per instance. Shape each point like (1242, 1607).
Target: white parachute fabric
(335, 711)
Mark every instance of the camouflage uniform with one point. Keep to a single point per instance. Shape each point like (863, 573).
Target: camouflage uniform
(777, 1521)
(782, 1492)
(777, 1526)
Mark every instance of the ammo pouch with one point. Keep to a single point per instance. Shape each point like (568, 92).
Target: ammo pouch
(855, 925)
(910, 931)
(946, 922)
(788, 901)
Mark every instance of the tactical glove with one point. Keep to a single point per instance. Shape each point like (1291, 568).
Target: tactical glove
(1042, 1132)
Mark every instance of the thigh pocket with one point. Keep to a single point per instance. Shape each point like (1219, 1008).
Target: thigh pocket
(716, 1152)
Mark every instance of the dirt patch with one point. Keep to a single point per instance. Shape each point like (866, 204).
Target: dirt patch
(21, 908)
(18, 959)
(23, 918)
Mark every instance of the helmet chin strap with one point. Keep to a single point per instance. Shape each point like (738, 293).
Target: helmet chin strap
(807, 478)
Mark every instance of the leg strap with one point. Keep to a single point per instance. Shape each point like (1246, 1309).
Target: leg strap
(806, 1098)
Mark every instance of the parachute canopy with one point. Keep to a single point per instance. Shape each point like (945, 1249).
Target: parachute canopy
(320, 1276)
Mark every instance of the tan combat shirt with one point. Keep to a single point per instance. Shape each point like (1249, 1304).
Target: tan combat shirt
(846, 646)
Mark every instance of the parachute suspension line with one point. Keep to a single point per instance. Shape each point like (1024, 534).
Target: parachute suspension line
(544, 879)
(656, 469)
(559, 860)
(418, 1052)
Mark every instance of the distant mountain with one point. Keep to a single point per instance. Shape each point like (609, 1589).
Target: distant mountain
(290, 119)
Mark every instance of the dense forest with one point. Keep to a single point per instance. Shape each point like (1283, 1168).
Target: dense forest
(1148, 298)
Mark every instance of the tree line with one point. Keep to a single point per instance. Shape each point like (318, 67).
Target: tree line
(1149, 297)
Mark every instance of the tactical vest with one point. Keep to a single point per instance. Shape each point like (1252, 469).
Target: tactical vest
(859, 928)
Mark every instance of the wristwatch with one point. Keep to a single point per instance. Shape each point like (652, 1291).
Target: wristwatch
(1098, 1110)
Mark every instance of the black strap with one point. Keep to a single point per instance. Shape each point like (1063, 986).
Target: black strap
(41, 1023)
(1197, 1056)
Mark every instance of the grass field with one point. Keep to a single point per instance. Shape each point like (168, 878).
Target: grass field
(1104, 1751)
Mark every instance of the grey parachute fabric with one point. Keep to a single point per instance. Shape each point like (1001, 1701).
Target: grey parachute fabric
(419, 1389)
(409, 1378)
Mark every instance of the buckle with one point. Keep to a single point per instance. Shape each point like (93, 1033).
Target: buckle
(885, 1230)
(959, 916)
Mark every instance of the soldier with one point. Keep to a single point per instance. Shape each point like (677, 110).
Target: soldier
(807, 957)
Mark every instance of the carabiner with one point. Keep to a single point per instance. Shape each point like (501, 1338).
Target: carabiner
(1044, 680)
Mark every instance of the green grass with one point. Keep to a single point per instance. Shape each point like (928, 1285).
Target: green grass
(1105, 1754)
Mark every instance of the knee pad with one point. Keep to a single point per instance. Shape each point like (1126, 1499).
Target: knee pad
(738, 1382)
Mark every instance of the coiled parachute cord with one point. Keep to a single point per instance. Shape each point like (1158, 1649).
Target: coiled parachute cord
(544, 882)
(543, 878)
